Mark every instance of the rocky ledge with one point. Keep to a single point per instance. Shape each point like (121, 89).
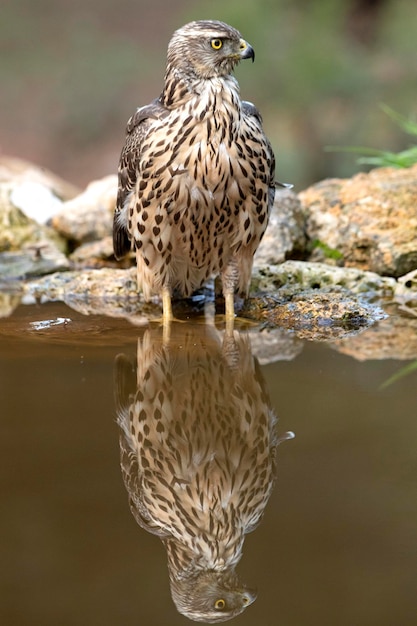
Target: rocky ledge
(336, 257)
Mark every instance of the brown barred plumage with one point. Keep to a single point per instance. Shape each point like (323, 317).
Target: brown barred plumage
(196, 173)
(198, 442)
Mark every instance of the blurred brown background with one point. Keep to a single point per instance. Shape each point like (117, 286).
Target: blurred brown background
(72, 73)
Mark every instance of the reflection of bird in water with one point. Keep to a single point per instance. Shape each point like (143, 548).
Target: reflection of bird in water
(196, 173)
(198, 447)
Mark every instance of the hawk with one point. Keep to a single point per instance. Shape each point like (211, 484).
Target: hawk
(198, 442)
(196, 173)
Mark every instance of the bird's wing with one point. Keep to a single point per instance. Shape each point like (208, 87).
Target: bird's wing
(251, 110)
(137, 130)
(125, 389)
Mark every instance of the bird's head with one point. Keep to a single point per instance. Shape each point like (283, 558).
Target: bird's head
(207, 49)
(211, 596)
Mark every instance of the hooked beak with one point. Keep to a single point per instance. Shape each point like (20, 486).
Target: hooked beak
(246, 50)
(249, 596)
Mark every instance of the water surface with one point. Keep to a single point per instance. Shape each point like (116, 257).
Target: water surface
(337, 543)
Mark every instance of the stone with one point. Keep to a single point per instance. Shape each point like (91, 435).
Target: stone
(291, 299)
(87, 284)
(317, 276)
(88, 216)
(368, 221)
(285, 236)
(106, 291)
(35, 200)
(392, 338)
(27, 248)
(406, 293)
(96, 254)
(324, 316)
(274, 344)
(33, 260)
(38, 193)
(320, 314)
(16, 228)
(18, 171)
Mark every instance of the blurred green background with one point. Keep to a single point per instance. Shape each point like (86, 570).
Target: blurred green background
(72, 73)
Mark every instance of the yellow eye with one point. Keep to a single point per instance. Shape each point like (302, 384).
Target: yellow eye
(219, 604)
(216, 44)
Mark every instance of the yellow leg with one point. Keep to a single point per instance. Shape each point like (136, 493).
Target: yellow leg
(167, 316)
(229, 306)
(166, 305)
(229, 310)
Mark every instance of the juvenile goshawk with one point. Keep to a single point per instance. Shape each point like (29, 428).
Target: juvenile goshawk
(196, 173)
(198, 443)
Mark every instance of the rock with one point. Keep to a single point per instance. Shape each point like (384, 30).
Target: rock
(17, 171)
(33, 260)
(274, 344)
(96, 254)
(312, 300)
(96, 283)
(370, 220)
(392, 338)
(285, 236)
(307, 275)
(36, 201)
(88, 216)
(27, 248)
(323, 316)
(39, 194)
(17, 229)
(111, 292)
(406, 293)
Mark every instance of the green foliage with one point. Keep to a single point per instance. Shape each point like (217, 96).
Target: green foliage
(383, 158)
(71, 71)
(402, 373)
(406, 124)
(329, 253)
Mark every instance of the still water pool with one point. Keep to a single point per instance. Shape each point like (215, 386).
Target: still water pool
(334, 536)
